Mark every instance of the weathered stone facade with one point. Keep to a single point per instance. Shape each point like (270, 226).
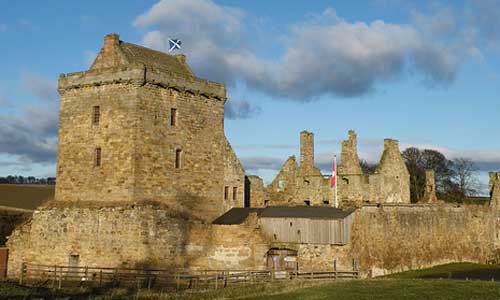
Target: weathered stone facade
(296, 185)
(430, 187)
(159, 131)
(141, 235)
(300, 185)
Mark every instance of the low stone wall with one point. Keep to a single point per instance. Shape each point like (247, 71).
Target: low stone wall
(132, 236)
(384, 239)
(389, 239)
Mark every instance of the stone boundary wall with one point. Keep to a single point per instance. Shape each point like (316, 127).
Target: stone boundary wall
(133, 236)
(394, 238)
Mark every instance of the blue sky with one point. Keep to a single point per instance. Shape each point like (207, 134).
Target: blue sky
(425, 73)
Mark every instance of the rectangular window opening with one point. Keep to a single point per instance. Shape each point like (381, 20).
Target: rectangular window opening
(97, 115)
(178, 154)
(226, 192)
(98, 157)
(235, 193)
(173, 117)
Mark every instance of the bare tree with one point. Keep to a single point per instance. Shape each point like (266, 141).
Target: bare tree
(464, 176)
(368, 168)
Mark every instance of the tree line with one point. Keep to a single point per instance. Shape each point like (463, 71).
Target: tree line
(455, 179)
(15, 179)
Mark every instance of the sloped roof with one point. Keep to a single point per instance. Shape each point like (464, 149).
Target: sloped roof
(308, 212)
(156, 59)
(238, 215)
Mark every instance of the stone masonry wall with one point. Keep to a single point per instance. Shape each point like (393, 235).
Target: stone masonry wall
(254, 191)
(139, 137)
(395, 238)
(389, 239)
(133, 236)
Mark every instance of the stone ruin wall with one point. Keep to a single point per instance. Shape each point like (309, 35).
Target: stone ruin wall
(390, 239)
(295, 183)
(133, 236)
(384, 239)
(395, 238)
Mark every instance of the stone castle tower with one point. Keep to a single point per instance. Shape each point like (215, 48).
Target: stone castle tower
(140, 126)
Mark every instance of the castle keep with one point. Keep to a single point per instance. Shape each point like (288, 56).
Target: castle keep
(146, 178)
(138, 125)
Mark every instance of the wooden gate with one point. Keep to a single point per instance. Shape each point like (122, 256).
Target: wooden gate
(282, 260)
(4, 257)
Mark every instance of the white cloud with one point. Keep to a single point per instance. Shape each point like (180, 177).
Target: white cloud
(240, 109)
(31, 134)
(324, 56)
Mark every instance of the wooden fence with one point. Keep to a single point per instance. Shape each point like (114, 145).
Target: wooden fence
(64, 276)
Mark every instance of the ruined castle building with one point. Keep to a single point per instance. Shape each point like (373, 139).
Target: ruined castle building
(139, 125)
(306, 151)
(351, 182)
(302, 185)
(391, 181)
(430, 187)
(495, 189)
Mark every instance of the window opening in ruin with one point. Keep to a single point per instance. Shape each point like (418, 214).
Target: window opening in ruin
(306, 181)
(97, 115)
(307, 202)
(326, 202)
(178, 153)
(275, 237)
(235, 193)
(291, 224)
(226, 192)
(97, 162)
(173, 117)
(266, 202)
(156, 117)
(280, 184)
(346, 180)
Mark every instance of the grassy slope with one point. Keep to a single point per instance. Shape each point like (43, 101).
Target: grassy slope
(25, 196)
(396, 289)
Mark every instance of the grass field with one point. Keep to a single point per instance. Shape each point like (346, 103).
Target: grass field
(407, 285)
(24, 195)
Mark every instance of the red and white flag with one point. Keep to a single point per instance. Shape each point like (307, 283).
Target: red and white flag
(334, 171)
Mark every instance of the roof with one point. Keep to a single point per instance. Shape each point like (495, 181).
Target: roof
(239, 215)
(308, 212)
(236, 215)
(156, 59)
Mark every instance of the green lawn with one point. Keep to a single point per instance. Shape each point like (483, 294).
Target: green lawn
(407, 285)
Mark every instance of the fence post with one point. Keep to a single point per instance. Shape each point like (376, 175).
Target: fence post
(216, 281)
(86, 276)
(335, 269)
(55, 277)
(100, 278)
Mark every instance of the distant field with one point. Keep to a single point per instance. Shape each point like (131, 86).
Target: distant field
(24, 195)
(406, 287)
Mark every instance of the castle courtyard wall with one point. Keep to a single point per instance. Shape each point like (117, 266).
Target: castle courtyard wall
(387, 239)
(133, 236)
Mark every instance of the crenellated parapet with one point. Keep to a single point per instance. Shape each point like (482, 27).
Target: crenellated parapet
(137, 74)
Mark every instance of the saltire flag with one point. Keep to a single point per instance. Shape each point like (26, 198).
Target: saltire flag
(334, 171)
(174, 44)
